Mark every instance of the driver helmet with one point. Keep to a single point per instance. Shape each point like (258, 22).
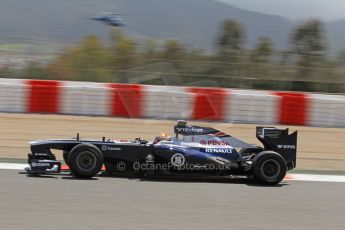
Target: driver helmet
(162, 137)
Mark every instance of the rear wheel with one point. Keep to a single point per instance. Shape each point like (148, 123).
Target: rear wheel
(85, 160)
(269, 168)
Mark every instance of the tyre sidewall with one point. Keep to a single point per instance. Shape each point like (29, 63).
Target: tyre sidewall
(85, 149)
(257, 167)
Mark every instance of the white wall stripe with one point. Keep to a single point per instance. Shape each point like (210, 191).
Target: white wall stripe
(252, 106)
(327, 110)
(167, 102)
(13, 97)
(85, 100)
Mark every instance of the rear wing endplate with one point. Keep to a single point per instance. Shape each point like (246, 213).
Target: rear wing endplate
(280, 141)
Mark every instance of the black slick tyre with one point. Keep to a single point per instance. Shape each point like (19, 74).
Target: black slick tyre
(269, 168)
(85, 161)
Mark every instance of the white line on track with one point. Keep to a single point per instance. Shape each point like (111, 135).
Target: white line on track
(298, 177)
(13, 166)
(316, 177)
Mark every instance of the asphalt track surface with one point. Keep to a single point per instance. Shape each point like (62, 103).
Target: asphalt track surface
(61, 202)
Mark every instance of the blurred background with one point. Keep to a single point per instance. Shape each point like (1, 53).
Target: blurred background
(276, 45)
(239, 44)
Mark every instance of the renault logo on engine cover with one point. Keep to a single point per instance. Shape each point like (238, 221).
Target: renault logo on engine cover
(215, 150)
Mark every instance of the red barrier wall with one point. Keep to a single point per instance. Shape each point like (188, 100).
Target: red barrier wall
(43, 96)
(293, 108)
(208, 103)
(126, 100)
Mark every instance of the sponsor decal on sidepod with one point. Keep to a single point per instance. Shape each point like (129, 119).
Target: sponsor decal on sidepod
(110, 148)
(214, 142)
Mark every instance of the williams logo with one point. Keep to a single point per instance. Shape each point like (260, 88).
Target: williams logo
(286, 146)
(189, 130)
(214, 150)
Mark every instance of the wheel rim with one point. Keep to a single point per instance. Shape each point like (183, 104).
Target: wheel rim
(270, 169)
(86, 161)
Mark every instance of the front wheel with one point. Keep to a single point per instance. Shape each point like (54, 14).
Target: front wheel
(85, 160)
(269, 168)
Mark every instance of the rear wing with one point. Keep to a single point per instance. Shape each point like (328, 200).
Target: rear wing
(280, 141)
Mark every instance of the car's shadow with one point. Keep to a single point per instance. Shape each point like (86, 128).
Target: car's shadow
(63, 175)
(165, 179)
(70, 177)
(43, 176)
(194, 179)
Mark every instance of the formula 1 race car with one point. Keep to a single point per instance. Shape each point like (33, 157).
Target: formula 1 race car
(193, 150)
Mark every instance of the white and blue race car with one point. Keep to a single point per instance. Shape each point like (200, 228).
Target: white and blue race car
(193, 150)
